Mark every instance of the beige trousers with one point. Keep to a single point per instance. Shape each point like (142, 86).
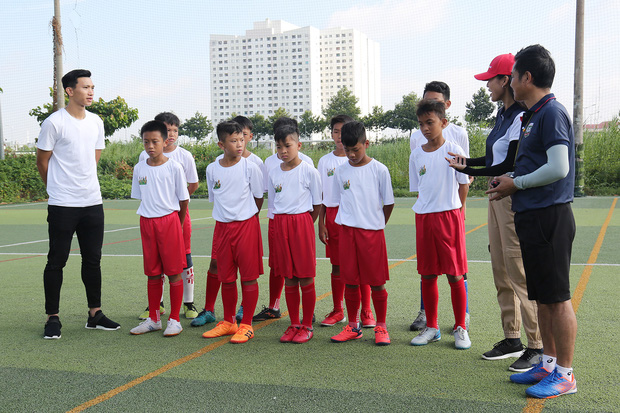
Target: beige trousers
(509, 275)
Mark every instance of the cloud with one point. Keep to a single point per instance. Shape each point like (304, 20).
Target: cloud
(392, 18)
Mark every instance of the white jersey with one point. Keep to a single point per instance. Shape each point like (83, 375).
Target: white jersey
(437, 182)
(72, 169)
(185, 158)
(361, 192)
(232, 189)
(160, 188)
(294, 191)
(327, 167)
(451, 133)
(257, 161)
(270, 163)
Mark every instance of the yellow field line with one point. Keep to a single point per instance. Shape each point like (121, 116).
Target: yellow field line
(537, 405)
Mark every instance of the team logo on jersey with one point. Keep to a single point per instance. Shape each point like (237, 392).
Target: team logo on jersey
(142, 181)
(422, 170)
(330, 172)
(278, 188)
(217, 184)
(346, 184)
(527, 131)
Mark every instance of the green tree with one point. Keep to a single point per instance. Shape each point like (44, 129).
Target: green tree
(261, 126)
(197, 127)
(279, 113)
(403, 115)
(375, 120)
(309, 124)
(480, 109)
(344, 102)
(116, 114)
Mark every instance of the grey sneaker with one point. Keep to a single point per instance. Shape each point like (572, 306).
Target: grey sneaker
(528, 359)
(420, 322)
(461, 339)
(173, 328)
(428, 335)
(146, 326)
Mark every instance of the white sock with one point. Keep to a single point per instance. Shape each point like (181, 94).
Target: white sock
(188, 285)
(548, 362)
(566, 372)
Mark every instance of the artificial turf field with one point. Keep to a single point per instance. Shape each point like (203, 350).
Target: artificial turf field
(115, 371)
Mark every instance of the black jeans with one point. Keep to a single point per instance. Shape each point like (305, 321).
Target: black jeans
(63, 222)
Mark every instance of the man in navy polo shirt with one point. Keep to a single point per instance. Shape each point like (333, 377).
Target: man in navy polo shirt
(542, 191)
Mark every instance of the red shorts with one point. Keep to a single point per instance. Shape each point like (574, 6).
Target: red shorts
(332, 251)
(240, 247)
(162, 245)
(271, 241)
(440, 243)
(295, 246)
(363, 256)
(216, 242)
(187, 233)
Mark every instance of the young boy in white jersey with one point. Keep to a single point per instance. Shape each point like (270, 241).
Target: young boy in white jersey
(186, 159)
(329, 231)
(295, 188)
(440, 92)
(276, 284)
(236, 188)
(366, 200)
(207, 315)
(440, 228)
(159, 183)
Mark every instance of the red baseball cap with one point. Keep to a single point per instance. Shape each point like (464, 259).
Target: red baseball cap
(501, 65)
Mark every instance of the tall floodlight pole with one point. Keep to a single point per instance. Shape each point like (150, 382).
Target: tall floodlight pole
(578, 100)
(59, 93)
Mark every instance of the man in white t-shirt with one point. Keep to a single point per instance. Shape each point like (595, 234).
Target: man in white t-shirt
(440, 92)
(68, 149)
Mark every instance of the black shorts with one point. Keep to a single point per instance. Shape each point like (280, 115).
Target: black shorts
(546, 237)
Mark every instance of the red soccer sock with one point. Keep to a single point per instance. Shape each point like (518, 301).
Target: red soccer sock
(308, 301)
(337, 292)
(366, 297)
(249, 298)
(213, 287)
(352, 297)
(176, 299)
(154, 287)
(291, 292)
(459, 302)
(430, 296)
(379, 299)
(276, 284)
(229, 300)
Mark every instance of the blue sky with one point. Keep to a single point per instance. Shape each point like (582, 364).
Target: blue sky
(155, 53)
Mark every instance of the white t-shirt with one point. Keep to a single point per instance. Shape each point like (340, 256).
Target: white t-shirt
(72, 169)
(185, 158)
(361, 192)
(270, 163)
(232, 189)
(327, 166)
(451, 133)
(160, 188)
(294, 191)
(437, 182)
(256, 160)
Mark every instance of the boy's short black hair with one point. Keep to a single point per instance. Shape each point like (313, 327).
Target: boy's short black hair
(227, 128)
(284, 131)
(155, 126)
(169, 118)
(339, 119)
(244, 122)
(285, 121)
(353, 133)
(431, 106)
(439, 87)
(71, 78)
(538, 61)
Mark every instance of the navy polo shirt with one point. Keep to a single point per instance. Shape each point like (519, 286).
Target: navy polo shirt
(545, 124)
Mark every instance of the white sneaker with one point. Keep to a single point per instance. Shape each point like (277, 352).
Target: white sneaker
(173, 328)
(146, 326)
(428, 335)
(461, 339)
